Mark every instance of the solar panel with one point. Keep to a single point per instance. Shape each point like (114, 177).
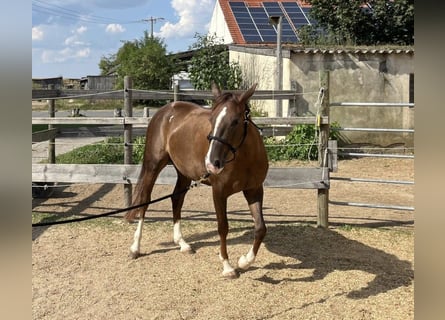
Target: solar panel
(254, 23)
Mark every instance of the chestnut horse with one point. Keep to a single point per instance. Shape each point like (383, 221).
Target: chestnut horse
(220, 147)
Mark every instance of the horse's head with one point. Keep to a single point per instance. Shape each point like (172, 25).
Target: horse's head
(229, 120)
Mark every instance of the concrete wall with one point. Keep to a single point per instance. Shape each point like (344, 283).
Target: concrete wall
(361, 76)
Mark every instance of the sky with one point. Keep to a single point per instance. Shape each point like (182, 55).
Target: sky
(69, 37)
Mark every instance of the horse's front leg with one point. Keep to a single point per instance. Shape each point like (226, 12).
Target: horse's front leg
(254, 198)
(177, 201)
(220, 203)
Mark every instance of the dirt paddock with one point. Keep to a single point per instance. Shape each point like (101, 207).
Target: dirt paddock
(361, 267)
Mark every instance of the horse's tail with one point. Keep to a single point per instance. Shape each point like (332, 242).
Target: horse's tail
(138, 198)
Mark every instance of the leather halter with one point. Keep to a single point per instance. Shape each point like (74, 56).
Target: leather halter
(226, 143)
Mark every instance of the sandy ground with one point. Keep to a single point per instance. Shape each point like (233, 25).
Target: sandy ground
(361, 267)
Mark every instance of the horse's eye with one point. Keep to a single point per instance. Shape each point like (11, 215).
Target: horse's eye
(234, 123)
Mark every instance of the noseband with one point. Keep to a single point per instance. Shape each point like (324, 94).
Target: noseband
(226, 143)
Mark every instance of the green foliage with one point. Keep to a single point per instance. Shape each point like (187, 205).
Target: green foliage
(138, 149)
(257, 112)
(145, 60)
(211, 64)
(300, 144)
(110, 151)
(351, 22)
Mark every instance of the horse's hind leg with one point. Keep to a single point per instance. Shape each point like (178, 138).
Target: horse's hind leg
(143, 190)
(254, 198)
(177, 199)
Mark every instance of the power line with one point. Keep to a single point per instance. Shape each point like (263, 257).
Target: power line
(65, 13)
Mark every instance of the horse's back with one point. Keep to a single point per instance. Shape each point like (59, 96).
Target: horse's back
(171, 115)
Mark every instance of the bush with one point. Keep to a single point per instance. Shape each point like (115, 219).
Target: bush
(299, 144)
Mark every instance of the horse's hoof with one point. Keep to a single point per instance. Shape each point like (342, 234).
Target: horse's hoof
(231, 274)
(134, 255)
(188, 250)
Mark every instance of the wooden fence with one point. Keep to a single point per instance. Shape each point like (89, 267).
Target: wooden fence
(127, 174)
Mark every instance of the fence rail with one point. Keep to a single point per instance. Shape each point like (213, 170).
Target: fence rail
(372, 104)
(373, 180)
(371, 205)
(373, 155)
(273, 121)
(291, 178)
(374, 130)
(56, 94)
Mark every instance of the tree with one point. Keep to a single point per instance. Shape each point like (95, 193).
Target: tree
(356, 22)
(211, 64)
(145, 60)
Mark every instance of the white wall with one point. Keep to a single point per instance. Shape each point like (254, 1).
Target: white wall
(218, 25)
(261, 68)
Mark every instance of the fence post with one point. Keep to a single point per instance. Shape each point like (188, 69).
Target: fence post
(175, 92)
(323, 194)
(128, 147)
(52, 141)
(146, 113)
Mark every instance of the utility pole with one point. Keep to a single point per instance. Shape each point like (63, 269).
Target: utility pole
(152, 20)
(277, 22)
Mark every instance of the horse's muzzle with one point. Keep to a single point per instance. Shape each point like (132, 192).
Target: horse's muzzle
(213, 168)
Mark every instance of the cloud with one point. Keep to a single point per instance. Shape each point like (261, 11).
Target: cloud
(194, 15)
(81, 29)
(37, 33)
(114, 28)
(74, 40)
(51, 56)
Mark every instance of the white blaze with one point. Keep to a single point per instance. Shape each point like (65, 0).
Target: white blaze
(218, 121)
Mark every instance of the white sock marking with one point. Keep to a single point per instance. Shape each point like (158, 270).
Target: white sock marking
(227, 268)
(135, 247)
(246, 261)
(177, 237)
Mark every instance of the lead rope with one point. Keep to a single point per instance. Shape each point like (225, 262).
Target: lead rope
(192, 185)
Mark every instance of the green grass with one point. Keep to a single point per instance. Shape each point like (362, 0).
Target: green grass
(39, 127)
(109, 151)
(86, 104)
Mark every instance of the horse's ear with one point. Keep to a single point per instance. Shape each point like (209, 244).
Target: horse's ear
(247, 94)
(215, 90)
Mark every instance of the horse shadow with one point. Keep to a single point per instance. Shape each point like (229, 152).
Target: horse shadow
(326, 251)
(75, 208)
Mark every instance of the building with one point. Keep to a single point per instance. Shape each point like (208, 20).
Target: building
(366, 74)
(98, 82)
(244, 22)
